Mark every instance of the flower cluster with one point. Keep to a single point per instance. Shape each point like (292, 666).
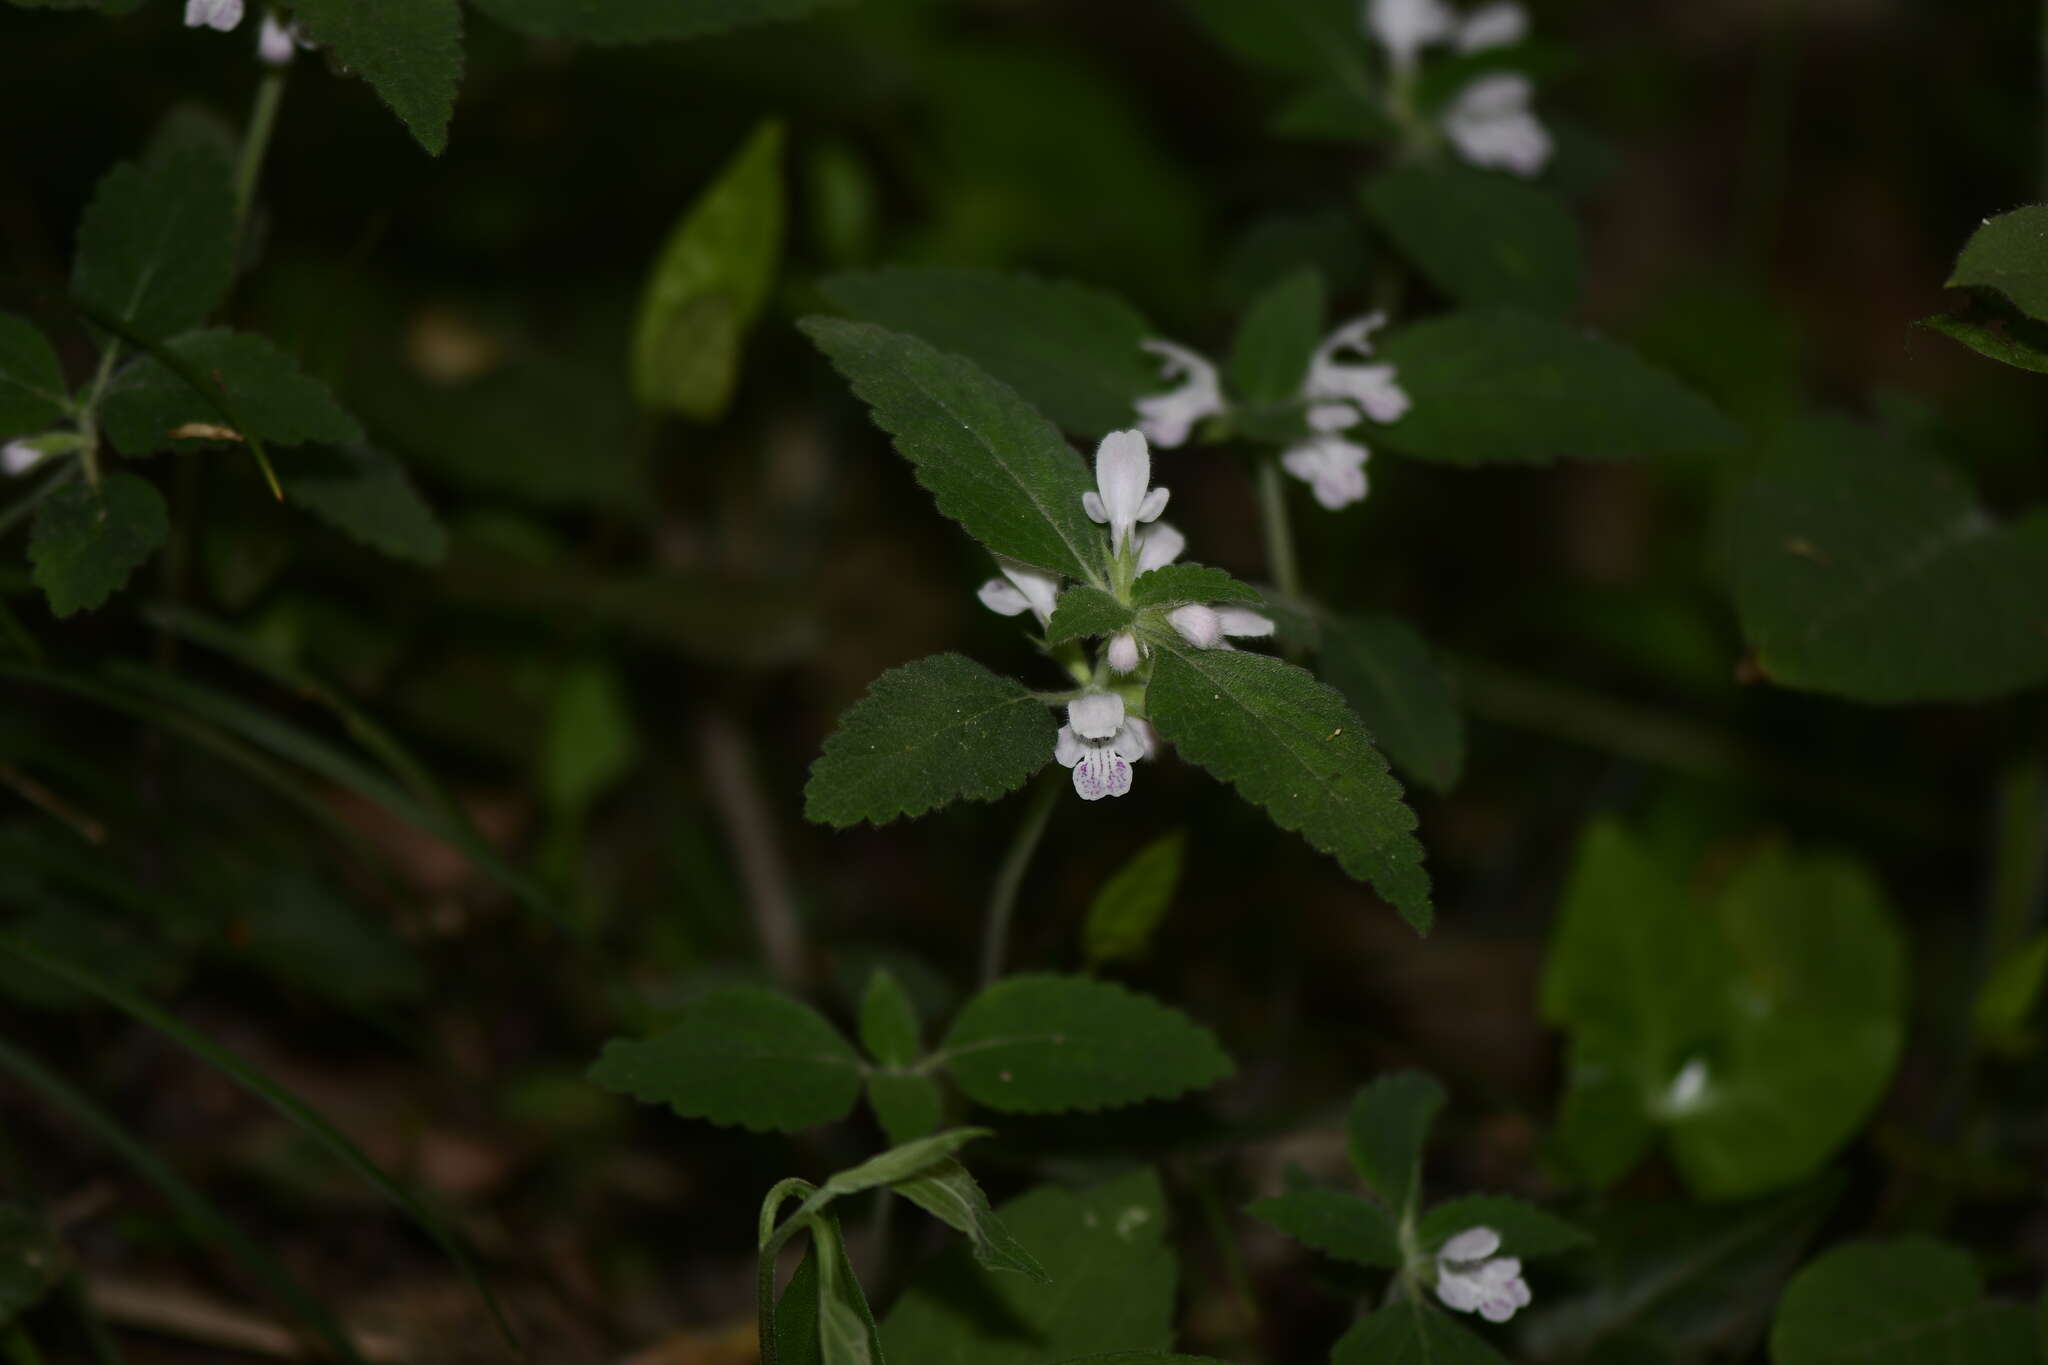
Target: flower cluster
(1489, 120)
(274, 40)
(1470, 1278)
(1102, 738)
(1339, 393)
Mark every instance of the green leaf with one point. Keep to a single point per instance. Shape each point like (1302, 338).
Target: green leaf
(796, 1315)
(1173, 584)
(1336, 1224)
(1507, 387)
(1387, 673)
(278, 402)
(590, 744)
(1387, 1129)
(709, 284)
(1863, 570)
(367, 495)
(1072, 352)
(156, 244)
(640, 21)
(2009, 255)
(888, 1021)
(1290, 744)
(1269, 357)
(1304, 37)
(993, 463)
(907, 1105)
(1482, 237)
(1084, 611)
(31, 1262)
(1411, 1331)
(1043, 1044)
(928, 733)
(1525, 1230)
(900, 1162)
(744, 1055)
(411, 53)
(847, 1332)
(87, 541)
(1335, 112)
(1910, 1300)
(1128, 908)
(2019, 342)
(32, 394)
(2011, 992)
(947, 1192)
(1114, 1292)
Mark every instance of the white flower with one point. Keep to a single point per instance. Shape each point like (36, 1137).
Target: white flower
(1243, 622)
(1405, 27)
(1332, 467)
(1204, 626)
(1470, 1278)
(1122, 496)
(275, 41)
(18, 457)
(1100, 744)
(1158, 546)
(220, 15)
(1341, 392)
(1490, 125)
(1123, 653)
(1502, 24)
(1026, 588)
(1168, 418)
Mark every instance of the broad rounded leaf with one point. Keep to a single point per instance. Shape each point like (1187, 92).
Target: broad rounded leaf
(1044, 1044)
(1412, 1331)
(906, 1104)
(1336, 1224)
(888, 1021)
(1903, 1302)
(1125, 912)
(1525, 1230)
(146, 405)
(1071, 351)
(1269, 357)
(31, 381)
(640, 21)
(411, 53)
(928, 733)
(1290, 744)
(1387, 673)
(1482, 237)
(1172, 584)
(1387, 1129)
(746, 1056)
(1863, 570)
(1507, 387)
(2009, 255)
(990, 460)
(1084, 611)
(87, 541)
(156, 244)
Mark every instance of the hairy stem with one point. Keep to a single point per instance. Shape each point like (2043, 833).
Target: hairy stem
(1002, 896)
(1280, 560)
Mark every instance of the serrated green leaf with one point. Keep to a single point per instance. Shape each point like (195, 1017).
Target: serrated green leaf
(1336, 1224)
(641, 21)
(2019, 342)
(709, 283)
(1304, 37)
(1290, 744)
(1484, 238)
(1386, 1130)
(1506, 387)
(1043, 1044)
(366, 494)
(906, 1104)
(2009, 255)
(1128, 908)
(1173, 584)
(1863, 570)
(1909, 1301)
(147, 402)
(156, 244)
(87, 541)
(1084, 611)
(1525, 1230)
(591, 743)
(744, 1055)
(992, 462)
(928, 733)
(1270, 355)
(1411, 1331)
(1387, 673)
(31, 1262)
(32, 394)
(1114, 1291)
(1072, 352)
(947, 1192)
(410, 53)
(888, 1021)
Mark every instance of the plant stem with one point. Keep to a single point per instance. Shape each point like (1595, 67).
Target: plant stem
(88, 416)
(1280, 560)
(1002, 896)
(20, 511)
(256, 141)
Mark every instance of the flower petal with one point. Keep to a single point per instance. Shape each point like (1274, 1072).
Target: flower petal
(1102, 772)
(1002, 597)
(18, 457)
(1123, 469)
(1333, 468)
(1091, 503)
(1123, 653)
(220, 15)
(1404, 27)
(1096, 715)
(1490, 125)
(1159, 545)
(1473, 1244)
(1167, 419)
(1457, 1292)
(1067, 747)
(1243, 622)
(1502, 24)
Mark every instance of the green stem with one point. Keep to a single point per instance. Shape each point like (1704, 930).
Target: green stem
(88, 415)
(1002, 896)
(1280, 560)
(256, 141)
